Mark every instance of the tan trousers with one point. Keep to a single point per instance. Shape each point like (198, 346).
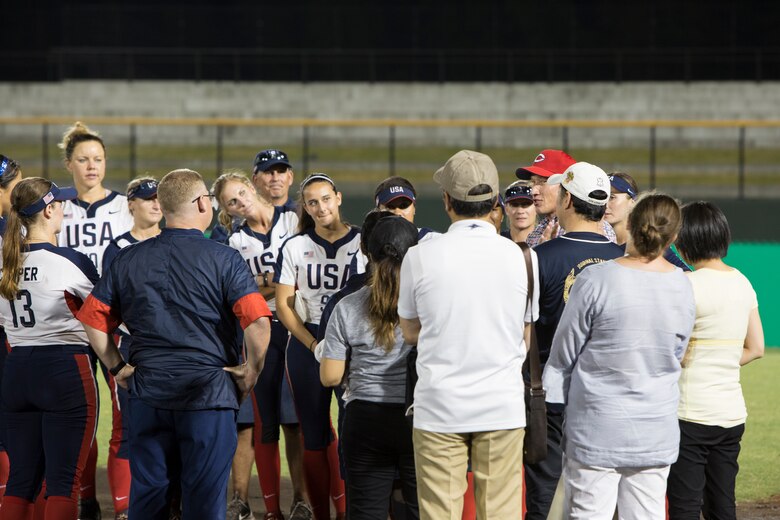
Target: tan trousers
(441, 461)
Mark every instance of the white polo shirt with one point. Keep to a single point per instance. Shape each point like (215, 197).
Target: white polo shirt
(468, 288)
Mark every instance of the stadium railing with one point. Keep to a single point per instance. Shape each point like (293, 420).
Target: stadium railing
(738, 142)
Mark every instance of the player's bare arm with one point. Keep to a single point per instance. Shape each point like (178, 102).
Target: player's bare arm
(332, 371)
(285, 309)
(109, 355)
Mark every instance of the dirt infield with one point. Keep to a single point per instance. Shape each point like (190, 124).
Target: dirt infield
(255, 497)
(761, 510)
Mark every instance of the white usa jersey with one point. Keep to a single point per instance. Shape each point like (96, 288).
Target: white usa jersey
(317, 268)
(259, 251)
(53, 284)
(89, 228)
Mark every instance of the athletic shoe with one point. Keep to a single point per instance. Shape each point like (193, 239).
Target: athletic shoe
(89, 509)
(300, 510)
(239, 510)
(121, 516)
(274, 516)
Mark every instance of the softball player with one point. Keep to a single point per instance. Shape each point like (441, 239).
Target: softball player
(10, 175)
(48, 389)
(90, 222)
(316, 261)
(143, 205)
(398, 196)
(261, 230)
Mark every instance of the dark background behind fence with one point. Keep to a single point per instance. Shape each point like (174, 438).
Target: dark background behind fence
(402, 40)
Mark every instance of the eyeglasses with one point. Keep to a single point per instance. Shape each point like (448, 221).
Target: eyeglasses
(209, 195)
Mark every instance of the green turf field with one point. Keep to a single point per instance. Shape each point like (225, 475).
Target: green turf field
(759, 475)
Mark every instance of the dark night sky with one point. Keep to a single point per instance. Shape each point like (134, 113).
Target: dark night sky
(398, 24)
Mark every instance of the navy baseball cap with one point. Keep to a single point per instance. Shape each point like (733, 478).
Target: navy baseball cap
(620, 185)
(392, 193)
(517, 190)
(267, 159)
(6, 163)
(146, 190)
(53, 194)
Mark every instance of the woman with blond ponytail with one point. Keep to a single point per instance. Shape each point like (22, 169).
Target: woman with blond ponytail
(364, 330)
(53, 420)
(91, 220)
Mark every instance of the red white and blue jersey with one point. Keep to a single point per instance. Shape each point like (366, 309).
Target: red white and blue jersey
(53, 284)
(259, 250)
(318, 268)
(89, 228)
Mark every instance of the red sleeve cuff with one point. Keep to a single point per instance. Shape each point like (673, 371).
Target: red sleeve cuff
(251, 307)
(98, 315)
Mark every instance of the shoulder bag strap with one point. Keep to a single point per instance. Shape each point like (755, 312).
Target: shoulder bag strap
(533, 351)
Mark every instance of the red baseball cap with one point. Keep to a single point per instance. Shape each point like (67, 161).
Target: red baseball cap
(548, 162)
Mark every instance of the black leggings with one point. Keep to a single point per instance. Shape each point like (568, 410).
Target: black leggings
(377, 446)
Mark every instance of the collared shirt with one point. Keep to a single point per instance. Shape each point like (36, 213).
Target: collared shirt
(535, 237)
(182, 298)
(561, 261)
(470, 347)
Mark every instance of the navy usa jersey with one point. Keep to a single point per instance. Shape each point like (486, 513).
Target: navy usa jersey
(317, 268)
(89, 228)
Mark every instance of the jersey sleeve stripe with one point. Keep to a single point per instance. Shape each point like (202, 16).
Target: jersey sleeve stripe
(98, 315)
(249, 308)
(74, 303)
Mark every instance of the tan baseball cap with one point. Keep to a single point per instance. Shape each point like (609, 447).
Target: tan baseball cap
(466, 170)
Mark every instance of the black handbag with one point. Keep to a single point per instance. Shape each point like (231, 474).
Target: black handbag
(535, 441)
(411, 381)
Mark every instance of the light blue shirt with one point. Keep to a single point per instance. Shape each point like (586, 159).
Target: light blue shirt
(615, 362)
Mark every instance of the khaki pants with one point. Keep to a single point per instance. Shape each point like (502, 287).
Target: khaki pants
(441, 461)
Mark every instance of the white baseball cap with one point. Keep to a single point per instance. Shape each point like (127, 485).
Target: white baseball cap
(581, 180)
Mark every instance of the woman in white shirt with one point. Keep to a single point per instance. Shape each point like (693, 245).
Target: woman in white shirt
(727, 335)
